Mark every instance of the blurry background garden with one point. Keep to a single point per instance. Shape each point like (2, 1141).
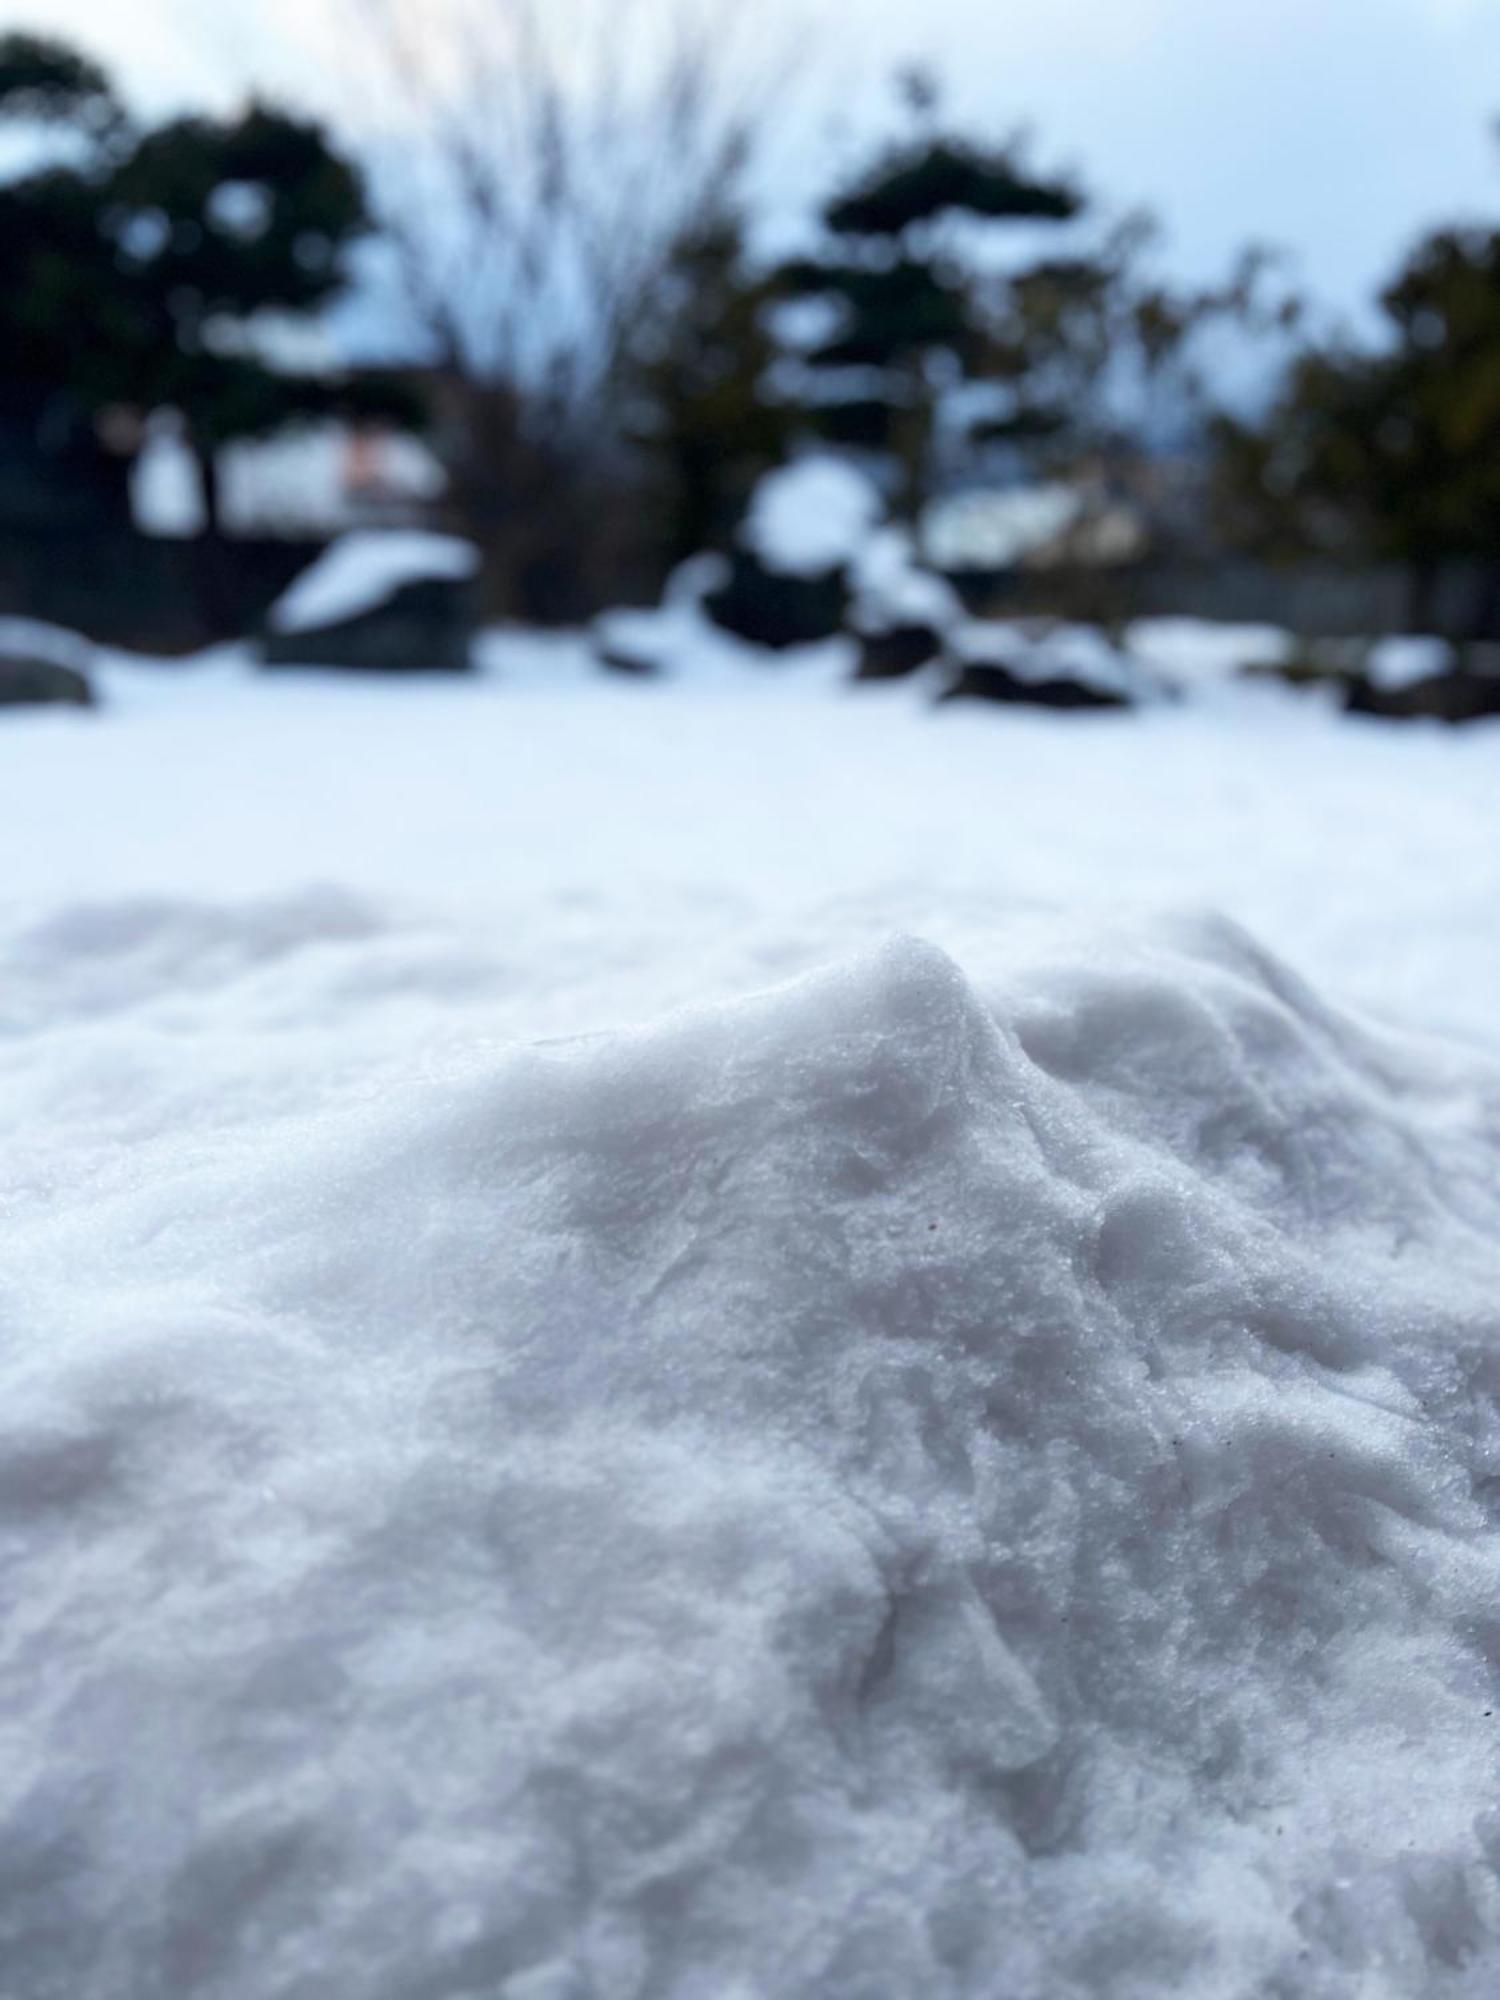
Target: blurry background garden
(729, 458)
(1132, 314)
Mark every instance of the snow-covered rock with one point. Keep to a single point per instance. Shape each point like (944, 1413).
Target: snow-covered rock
(43, 665)
(363, 570)
(1459, 694)
(917, 1483)
(31, 683)
(389, 600)
(1049, 664)
(33, 639)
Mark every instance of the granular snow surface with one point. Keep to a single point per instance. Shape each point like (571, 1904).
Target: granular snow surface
(737, 1338)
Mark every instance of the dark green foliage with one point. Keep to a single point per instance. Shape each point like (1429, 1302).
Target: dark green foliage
(778, 611)
(929, 178)
(907, 307)
(133, 269)
(894, 314)
(49, 82)
(1392, 452)
(863, 423)
(236, 216)
(424, 627)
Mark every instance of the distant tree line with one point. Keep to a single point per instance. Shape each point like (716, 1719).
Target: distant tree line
(1386, 449)
(606, 362)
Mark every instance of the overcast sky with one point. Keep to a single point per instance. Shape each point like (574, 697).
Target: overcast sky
(1336, 128)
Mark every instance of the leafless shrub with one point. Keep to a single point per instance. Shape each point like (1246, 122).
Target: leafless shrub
(538, 160)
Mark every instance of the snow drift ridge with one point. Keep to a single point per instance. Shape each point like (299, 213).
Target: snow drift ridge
(891, 1487)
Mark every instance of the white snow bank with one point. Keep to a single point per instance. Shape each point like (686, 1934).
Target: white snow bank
(811, 516)
(363, 569)
(911, 1484)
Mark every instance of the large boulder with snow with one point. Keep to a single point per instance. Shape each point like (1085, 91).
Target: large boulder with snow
(389, 600)
(42, 664)
(636, 643)
(28, 682)
(789, 573)
(1422, 680)
(892, 652)
(1039, 666)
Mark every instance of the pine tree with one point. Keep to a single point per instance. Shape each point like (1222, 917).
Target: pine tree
(139, 263)
(909, 326)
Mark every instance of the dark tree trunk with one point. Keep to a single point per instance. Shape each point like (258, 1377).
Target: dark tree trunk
(215, 595)
(206, 458)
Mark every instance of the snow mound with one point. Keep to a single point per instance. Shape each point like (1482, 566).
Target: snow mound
(897, 1486)
(891, 587)
(811, 517)
(366, 568)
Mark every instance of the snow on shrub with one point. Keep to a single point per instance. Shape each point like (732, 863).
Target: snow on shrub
(811, 517)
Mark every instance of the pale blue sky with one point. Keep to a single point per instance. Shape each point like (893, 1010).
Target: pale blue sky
(1337, 128)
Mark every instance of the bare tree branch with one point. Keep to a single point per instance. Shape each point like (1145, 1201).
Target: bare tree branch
(538, 160)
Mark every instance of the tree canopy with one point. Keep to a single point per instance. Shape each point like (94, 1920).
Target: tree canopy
(908, 322)
(1391, 450)
(142, 265)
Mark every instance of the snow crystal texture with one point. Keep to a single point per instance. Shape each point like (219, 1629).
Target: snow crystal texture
(923, 1482)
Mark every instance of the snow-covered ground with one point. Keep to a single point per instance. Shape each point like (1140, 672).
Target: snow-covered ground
(694, 838)
(744, 1337)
